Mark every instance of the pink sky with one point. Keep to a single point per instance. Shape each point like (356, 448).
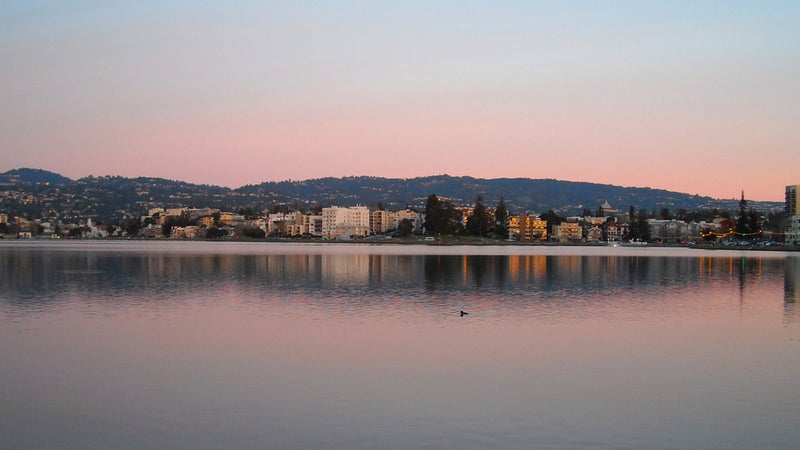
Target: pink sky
(696, 99)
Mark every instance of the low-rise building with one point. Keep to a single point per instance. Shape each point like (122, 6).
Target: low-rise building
(568, 232)
(417, 219)
(526, 227)
(189, 232)
(379, 222)
(668, 231)
(594, 234)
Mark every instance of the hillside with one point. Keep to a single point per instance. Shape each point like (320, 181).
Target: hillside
(32, 177)
(35, 193)
(521, 194)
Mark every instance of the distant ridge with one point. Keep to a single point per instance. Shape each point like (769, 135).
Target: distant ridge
(32, 176)
(520, 194)
(113, 197)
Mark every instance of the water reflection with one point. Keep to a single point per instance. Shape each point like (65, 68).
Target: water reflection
(36, 280)
(791, 289)
(105, 349)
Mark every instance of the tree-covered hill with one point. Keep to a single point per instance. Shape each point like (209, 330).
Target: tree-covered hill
(521, 194)
(34, 193)
(26, 176)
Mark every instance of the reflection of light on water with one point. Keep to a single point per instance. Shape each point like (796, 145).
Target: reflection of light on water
(290, 347)
(791, 289)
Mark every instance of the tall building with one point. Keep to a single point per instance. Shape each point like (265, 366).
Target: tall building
(791, 231)
(791, 200)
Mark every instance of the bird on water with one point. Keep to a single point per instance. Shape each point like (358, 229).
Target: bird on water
(464, 313)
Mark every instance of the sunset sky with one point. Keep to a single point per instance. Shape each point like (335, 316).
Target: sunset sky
(691, 96)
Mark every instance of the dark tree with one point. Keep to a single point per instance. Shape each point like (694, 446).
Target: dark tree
(774, 220)
(280, 209)
(501, 219)
(132, 227)
(639, 228)
(441, 217)
(434, 215)
(748, 223)
(405, 227)
(254, 233)
(478, 221)
(215, 233)
(247, 212)
(180, 221)
(552, 219)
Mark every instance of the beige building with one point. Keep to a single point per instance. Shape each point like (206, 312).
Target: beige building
(568, 231)
(345, 223)
(527, 228)
(206, 221)
(594, 234)
(379, 222)
(228, 218)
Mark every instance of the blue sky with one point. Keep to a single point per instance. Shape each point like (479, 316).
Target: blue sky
(699, 97)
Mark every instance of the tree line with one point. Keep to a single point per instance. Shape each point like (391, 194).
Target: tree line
(443, 218)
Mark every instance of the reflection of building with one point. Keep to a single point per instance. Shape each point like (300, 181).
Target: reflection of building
(791, 279)
(791, 289)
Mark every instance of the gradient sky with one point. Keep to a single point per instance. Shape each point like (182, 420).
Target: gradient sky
(696, 97)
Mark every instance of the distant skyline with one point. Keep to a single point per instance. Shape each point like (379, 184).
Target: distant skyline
(695, 97)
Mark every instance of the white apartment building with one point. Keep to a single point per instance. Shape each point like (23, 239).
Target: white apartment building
(312, 224)
(345, 223)
(417, 218)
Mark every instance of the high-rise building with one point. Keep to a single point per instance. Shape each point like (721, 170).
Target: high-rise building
(791, 230)
(791, 200)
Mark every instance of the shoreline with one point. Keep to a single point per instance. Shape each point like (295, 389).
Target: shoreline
(415, 241)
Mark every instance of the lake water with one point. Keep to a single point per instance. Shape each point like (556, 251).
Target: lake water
(255, 345)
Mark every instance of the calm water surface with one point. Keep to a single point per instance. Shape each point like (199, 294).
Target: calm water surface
(252, 345)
